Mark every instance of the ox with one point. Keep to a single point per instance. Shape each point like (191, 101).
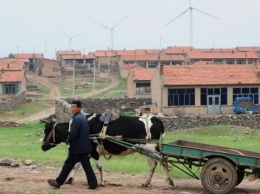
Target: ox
(144, 128)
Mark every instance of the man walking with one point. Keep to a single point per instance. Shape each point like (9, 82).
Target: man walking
(80, 147)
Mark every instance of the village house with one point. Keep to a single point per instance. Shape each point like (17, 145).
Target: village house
(30, 59)
(12, 77)
(61, 53)
(203, 88)
(222, 57)
(124, 71)
(12, 83)
(139, 83)
(47, 68)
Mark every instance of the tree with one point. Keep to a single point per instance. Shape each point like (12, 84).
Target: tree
(11, 55)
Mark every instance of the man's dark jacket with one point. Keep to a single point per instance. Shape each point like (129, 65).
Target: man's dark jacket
(79, 135)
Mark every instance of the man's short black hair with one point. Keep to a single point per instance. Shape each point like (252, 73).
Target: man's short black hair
(77, 102)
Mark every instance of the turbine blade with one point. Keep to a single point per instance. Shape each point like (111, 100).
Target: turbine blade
(64, 33)
(190, 3)
(119, 22)
(48, 39)
(77, 35)
(102, 26)
(205, 13)
(178, 16)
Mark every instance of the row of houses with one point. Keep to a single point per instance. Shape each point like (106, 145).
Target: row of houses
(179, 80)
(151, 58)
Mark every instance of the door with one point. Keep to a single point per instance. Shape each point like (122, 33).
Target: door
(213, 104)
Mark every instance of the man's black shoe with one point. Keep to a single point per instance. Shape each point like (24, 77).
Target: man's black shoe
(53, 183)
(93, 187)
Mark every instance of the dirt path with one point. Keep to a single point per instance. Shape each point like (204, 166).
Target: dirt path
(54, 93)
(33, 179)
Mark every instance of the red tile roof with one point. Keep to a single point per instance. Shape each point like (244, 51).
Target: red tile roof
(11, 64)
(214, 50)
(29, 55)
(104, 53)
(78, 57)
(143, 74)
(152, 58)
(11, 76)
(178, 49)
(235, 55)
(69, 52)
(209, 75)
(248, 48)
(125, 52)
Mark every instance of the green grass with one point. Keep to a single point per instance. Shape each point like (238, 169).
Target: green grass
(115, 92)
(27, 109)
(23, 143)
(66, 86)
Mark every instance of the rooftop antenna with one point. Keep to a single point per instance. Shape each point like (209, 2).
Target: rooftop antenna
(112, 29)
(191, 19)
(70, 38)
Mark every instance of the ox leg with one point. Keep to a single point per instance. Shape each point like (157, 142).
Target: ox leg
(71, 176)
(100, 167)
(152, 165)
(167, 178)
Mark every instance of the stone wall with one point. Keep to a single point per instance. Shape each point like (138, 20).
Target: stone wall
(93, 105)
(9, 102)
(192, 121)
(62, 114)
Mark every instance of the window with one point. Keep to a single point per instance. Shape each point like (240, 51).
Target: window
(143, 88)
(181, 96)
(10, 88)
(241, 61)
(230, 61)
(219, 61)
(152, 64)
(245, 92)
(142, 64)
(204, 92)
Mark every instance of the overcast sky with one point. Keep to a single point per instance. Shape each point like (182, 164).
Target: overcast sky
(37, 26)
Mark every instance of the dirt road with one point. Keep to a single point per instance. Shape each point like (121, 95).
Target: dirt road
(52, 83)
(33, 179)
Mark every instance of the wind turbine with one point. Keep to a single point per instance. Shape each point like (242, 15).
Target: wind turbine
(70, 39)
(191, 19)
(112, 30)
(45, 46)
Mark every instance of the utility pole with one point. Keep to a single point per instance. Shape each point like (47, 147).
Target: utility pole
(73, 78)
(94, 77)
(108, 65)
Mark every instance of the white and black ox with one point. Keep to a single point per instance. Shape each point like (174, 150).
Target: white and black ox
(144, 128)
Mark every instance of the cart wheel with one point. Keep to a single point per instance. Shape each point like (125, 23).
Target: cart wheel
(218, 176)
(240, 175)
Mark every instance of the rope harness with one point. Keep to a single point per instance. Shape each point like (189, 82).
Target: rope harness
(52, 133)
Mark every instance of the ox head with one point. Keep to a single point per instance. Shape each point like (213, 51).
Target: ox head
(53, 135)
(95, 125)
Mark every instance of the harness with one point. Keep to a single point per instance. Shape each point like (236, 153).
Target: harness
(52, 133)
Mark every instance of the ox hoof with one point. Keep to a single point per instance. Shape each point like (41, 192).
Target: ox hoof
(101, 184)
(69, 181)
(170, 182)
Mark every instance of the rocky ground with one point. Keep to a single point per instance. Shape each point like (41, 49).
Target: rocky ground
(21, 178)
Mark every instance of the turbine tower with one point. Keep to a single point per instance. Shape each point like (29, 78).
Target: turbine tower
(45, 46)
(112, 30)
(191, 19)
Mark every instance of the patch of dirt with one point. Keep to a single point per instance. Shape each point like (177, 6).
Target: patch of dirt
(33, 180)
